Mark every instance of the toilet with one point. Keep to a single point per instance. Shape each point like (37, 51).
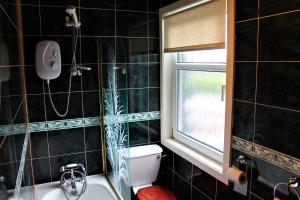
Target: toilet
(144, 167)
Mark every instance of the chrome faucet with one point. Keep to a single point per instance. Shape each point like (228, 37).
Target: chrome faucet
(73, 180)
(3, 189)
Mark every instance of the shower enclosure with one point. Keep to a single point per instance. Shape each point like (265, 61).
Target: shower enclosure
(34, 142)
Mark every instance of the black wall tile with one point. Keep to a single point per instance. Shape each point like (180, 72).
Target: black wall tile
(138, 133)
(137, 75)
(245, 77)
(154, 99)
(182, 189)
(132, 50)
(39, 144)
(66, 141)
(278, 129)
(270, 7)
(204, 182)
(131, 24)
(90, 19)
(281, 45)
(132, 5)
(154, 130)
(36, 108)
(32, 26)
(91, 104)
(41, 170)
(90, 79)
(92, 138)
(243, 120)
(278, 85)
(246, 41)
(137, 100)
(104, 4)
(183, 168)
(94, 162)
(154, 75)
(246, 9)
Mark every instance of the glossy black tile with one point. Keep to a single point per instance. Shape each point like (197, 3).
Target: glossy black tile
(132, 5)
(90, 18)
(60, 102)
(154, 99)
(33, 82)
(154, 50)
(54, 24)
(270, 7)
(263, 184)
(12, 84)
(182, 189)
(104, 4)
(90, 79)
(138, 133)
(36, 108)
(94, 162)
(183, 168)
(278, 85)
(246, 41)
(281, 45)
(59, 161)
(115, 71)
(153, 6)
(154, 75)
(153, 25)
(166, 179)
(131, 24)
(166, 2)
(243, 120)
(9, 171)
(137, 75)
(39, 144)
(246, 9)
(92, 138)
(245, 78)
(41, 170)
(137, 100)
(9, 44)
(198, 195)
(66, 141)
(91, 105)
(8, 152)
(167, 161)
(61, 3)
(8, 21)
(154, 131)
(11, 110)
(132, 50)
(32, 26)
(278, 129)
(204, 182)
(89, 51)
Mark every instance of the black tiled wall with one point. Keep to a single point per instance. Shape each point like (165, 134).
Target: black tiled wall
(266, 100)
(128, 33)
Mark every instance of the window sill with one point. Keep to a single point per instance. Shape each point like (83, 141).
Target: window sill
(201, 161)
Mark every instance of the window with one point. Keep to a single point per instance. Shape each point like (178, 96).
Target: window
(197, 82)
(199, 95)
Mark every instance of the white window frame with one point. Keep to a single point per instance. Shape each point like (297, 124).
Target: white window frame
(197, 155)
(211, 67)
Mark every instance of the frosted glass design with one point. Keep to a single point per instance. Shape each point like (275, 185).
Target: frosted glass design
(201, 106)
(116, 138)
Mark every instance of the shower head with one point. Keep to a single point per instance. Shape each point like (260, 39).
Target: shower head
(73, 22)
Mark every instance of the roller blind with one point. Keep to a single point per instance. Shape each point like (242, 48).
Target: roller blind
(200, 27)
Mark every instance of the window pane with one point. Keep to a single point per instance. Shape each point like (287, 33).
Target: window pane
(201, 106)
(203, 56)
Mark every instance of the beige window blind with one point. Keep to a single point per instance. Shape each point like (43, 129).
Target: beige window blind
(200, 27)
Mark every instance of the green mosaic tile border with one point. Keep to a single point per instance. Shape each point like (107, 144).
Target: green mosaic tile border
(77, 123)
